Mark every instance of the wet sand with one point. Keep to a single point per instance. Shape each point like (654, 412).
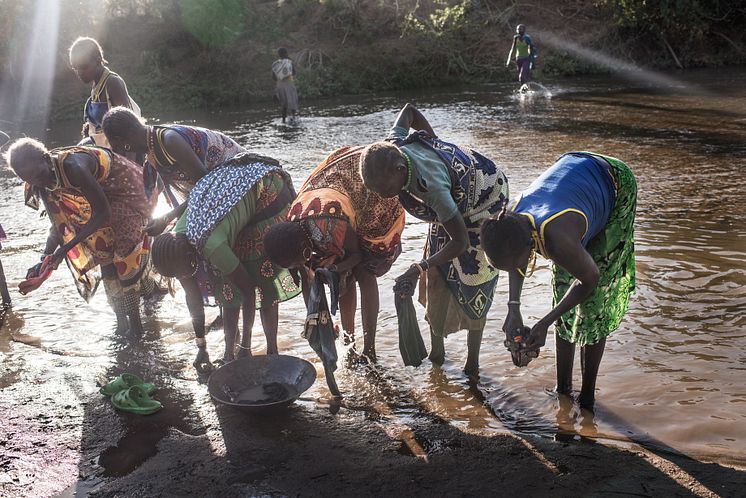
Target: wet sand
(61, 436)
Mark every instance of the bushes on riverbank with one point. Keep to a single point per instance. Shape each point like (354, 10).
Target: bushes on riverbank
(198, 53)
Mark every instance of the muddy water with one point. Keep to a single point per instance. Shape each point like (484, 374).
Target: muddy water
(672, 375)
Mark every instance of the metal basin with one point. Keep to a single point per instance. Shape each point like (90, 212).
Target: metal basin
(261, 382)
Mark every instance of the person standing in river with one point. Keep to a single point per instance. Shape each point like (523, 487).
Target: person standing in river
(525, 54)
(229, 210)
(338, 224)
(107, 88)
(579, 214)
(283, 72)
(98, 208)
(453, 189)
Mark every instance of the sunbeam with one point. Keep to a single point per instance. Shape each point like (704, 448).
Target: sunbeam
(39, 65)
(626, 69)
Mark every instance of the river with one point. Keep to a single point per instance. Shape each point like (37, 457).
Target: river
(672, 375)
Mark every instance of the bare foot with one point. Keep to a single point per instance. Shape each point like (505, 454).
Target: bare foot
(370, 355)
(471, 370)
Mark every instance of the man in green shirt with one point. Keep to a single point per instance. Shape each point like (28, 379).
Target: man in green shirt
(525, 54)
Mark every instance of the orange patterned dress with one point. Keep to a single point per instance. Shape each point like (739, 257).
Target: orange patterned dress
(333, 198)
(122, 241)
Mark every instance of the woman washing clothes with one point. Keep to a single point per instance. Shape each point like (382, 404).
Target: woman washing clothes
(228, 211)
(337, 223)
(182, 155)
(97, 205)
(453, 189)
(579, 214)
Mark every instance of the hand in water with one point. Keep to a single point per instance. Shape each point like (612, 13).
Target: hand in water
(156, 226)
(538, 336)
(202, 362)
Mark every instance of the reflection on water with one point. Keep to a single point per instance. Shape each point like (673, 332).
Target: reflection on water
(673, 373)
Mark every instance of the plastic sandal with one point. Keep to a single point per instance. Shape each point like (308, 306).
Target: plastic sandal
(135, 400)
(124, 382)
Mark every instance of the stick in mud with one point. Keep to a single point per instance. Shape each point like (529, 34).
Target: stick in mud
(4, 287)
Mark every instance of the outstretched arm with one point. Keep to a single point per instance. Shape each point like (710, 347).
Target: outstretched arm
(563, 240)
(514, 319)
(411, 117)
(187, 161)
(454, 248)
(156, 226)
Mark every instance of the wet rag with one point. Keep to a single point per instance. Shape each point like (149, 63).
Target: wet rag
(411, 345)
(319, 329)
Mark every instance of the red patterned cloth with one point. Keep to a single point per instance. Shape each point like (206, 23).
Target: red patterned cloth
(333, 198)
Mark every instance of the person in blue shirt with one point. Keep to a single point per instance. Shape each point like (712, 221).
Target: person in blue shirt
(454, 189)
(108, 89)
(579, 214)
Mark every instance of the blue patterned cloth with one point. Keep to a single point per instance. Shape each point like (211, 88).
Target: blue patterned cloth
(479, 189)
(216, 193)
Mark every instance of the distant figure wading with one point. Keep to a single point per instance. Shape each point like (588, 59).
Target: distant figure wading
(283, 72)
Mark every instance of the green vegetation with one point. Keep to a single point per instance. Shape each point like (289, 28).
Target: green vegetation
(200, 53)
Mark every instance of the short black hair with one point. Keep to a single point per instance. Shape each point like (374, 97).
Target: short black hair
(379, 160)
(282, 52)
(121, 122)
(89, 48)
(283, 242)
(504, 236)
(172, 255)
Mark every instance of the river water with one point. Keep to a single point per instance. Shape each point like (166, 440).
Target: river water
(672, 375)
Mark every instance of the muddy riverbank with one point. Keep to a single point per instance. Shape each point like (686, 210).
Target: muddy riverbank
(60, 436)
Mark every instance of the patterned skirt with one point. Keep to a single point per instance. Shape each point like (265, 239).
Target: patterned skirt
(273, 284)
(613, 251)
(479, 188)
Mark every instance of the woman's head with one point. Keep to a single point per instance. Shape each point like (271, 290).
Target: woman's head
(383, 169)
(31, 162)
(125, 131)
(507, 240)
(287, 244)
(173, 256)
(282, 52)
(86, 58)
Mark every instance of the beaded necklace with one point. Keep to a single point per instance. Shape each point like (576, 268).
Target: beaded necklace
(151, 145)
(409, 169)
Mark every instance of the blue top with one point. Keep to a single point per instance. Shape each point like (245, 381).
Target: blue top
(431, 181)
(579, 182)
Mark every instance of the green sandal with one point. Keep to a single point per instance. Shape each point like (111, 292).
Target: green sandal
(124, 382)
(135, 400)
